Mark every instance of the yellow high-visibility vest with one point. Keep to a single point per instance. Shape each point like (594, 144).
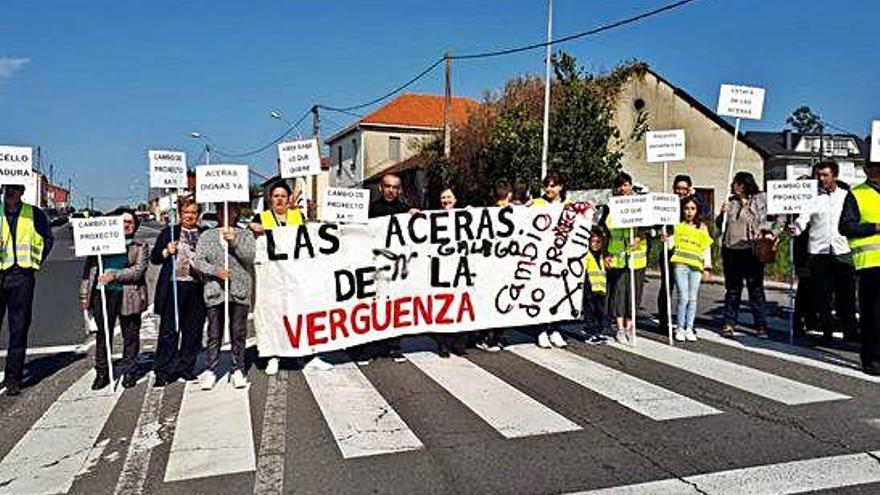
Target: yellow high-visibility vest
(690, 244)
(293, 217)
(595, 273)
(866, 250)
(27, 248)
(618, 248)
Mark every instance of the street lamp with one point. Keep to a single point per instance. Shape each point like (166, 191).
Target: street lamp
(279, 116)
(208, 142)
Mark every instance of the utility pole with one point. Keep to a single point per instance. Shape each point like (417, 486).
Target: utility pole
(447, 108)
(52, 174)
(547, 89)
(316, 132)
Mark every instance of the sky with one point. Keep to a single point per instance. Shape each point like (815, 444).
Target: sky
(96, 83)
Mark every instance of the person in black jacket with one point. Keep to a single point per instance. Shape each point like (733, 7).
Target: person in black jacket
(176, 354)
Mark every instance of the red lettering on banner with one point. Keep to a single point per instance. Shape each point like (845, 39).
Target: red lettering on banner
(401, 312)
(292, 337)
(376, 325)
(337, 322)
(423, 308)
(360, 318)
(442, 319)
(466, 306)
(313, 327)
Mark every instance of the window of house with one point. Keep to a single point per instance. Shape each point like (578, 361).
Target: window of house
(393, 148)
(354, 153)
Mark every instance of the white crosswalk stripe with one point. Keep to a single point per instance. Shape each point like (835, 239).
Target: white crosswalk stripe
(213, 434)
(735, 375)
(642, 397)
(49, 456)
(362, 422)
(512, 413)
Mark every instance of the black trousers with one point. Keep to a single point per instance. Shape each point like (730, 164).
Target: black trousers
(16, 299)
(869, 316)
(237, 333)
(834, 282)
(594, 313)
(741, 266)
(131, 331)
(804, 310)
(619, 295)
(171, 359)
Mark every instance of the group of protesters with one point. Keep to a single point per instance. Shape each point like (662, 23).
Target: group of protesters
(204, 271)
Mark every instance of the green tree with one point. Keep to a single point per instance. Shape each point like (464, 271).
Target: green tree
(805, 121)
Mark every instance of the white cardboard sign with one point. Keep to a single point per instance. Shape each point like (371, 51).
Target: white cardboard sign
(789, 197)
(631, 211)
(16, 165)
(744, 102)
(793, 172)
(31, 194)
(875, 141)
(219, 183)
(167, 169)
(349, 205)
(300, 158)
(666, 208)
(99, 235)
(665, 146)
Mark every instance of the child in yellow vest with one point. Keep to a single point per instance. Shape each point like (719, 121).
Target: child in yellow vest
(595, 316)
(691, 261)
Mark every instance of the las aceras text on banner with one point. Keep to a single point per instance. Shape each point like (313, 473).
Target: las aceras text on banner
(322, 287)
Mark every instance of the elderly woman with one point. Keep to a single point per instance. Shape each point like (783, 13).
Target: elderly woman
(126, 292)
(745, 221)
(176, 353)
(209, 264)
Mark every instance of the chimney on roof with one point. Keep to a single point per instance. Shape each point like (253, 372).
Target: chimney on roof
(787, 140)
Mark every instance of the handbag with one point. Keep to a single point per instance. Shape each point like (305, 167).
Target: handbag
(765, 249)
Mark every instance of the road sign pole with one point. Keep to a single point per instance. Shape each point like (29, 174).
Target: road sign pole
(632, 285)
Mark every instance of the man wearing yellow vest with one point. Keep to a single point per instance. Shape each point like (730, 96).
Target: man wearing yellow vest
(860, 223)
(25, 243)
(277, 215)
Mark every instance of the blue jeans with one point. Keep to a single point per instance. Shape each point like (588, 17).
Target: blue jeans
(687, 286)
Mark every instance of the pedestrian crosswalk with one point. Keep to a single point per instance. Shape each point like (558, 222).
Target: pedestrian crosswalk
(214, 433)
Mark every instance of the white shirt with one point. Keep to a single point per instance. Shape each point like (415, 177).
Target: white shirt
(824, 236)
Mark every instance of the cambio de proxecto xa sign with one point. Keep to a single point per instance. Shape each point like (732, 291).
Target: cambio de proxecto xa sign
(100, 235)
(167, 169)
(743, 102)
(16, 163)
(789, 197)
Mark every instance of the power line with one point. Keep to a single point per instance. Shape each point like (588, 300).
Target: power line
(600, 29)
(267, 145)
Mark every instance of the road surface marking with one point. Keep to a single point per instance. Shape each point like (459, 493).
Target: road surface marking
(270, 468)
(811, 475)
(144, 439)
(806, 356)
(213, 436)
(757, 382)
(49, 456)
(361, 421)
(634, 393)
(510, 412)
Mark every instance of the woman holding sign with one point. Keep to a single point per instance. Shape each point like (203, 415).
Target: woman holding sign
(279, 214)
(745, 225)
(554, 193)
(691, 261)
(209, 264)
(126, 288)
(172, 362)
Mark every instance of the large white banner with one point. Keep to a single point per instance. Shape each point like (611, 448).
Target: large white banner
(323, 287)
(16, 165)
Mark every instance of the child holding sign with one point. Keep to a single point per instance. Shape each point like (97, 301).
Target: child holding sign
(691, 259)
(595, 288)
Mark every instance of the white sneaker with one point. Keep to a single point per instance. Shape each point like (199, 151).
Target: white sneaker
(544, 341)
(238, 379)
(272, 366)
(679, 335)
(556, 339)
(621, 337)
(690, 335)
(316, 363)
(207, 380)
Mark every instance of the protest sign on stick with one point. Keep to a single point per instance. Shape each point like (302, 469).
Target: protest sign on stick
(300, 158)
(343, 204)
(167, 169)
(97, 237)
(223, 184)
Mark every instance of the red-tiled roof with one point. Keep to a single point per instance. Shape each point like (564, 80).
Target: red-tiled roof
(420, 110)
